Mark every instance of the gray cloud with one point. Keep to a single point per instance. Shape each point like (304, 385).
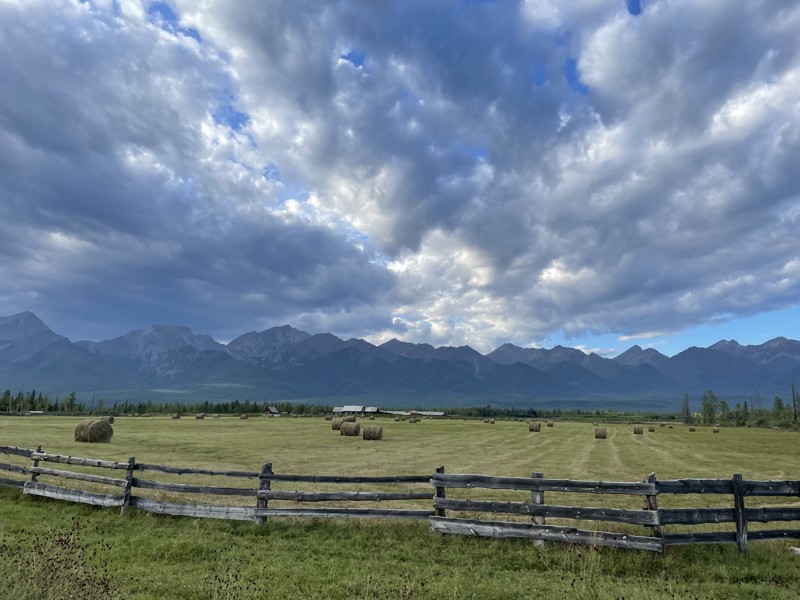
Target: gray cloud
(451, 172)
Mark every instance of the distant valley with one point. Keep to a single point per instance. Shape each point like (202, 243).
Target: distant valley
(172, 363)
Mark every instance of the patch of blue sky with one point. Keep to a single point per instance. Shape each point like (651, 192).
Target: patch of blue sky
(271, 172)
(465, 148)
(570, 71)
(539, 77)
(226, 114)
(634, 6)
(292, 191)
(163, 12)
(355, 57)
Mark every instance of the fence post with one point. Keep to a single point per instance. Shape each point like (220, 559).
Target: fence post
(739, 513)
(36, 464)
(126, 502)
(264, 485)
(537, 497)
(651, 503)
(440, 493)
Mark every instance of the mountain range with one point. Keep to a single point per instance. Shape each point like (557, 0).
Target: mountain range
(172, 363)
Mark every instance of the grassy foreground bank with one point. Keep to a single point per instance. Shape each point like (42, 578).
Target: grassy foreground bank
(49, 549)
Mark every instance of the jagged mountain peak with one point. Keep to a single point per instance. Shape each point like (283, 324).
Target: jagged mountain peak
(21, 325)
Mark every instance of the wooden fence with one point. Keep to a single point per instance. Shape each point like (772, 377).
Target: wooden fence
(423, 497)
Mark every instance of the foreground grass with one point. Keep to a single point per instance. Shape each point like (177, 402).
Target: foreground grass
(149, 556)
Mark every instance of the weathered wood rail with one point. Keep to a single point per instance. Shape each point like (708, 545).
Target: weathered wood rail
(270, 502)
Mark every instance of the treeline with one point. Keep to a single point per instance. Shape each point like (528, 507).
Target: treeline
(715, 410)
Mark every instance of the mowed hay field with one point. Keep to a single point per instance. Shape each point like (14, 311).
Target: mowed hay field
(150, 556)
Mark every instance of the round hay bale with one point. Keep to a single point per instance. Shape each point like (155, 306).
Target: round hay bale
(651, 429)
(200, 416)
(244, 416)
(109, 419)
(215, 416)
(373, 432)
(715, 430)
(600, 433)
(372, 417)
(349, 419)
(350, 429)
(551, 424)
(692, 429)
(535, 426)
(638, 430)
(329, 417)
(94, 431)
(336, 424)
(397, 419)
(662, 424)
(670, 426)
(176, 416)
(491, 421)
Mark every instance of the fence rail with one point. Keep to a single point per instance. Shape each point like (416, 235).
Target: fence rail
(348, 502)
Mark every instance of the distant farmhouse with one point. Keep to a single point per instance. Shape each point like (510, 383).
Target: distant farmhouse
(374, 410)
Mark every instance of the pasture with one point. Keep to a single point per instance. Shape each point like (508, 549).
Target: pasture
(148, 556)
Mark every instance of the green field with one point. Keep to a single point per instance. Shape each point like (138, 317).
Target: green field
(149, 556)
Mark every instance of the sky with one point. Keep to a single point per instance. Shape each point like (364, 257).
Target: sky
(592, 173)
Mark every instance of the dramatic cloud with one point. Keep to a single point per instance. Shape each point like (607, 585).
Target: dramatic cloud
(456, 172)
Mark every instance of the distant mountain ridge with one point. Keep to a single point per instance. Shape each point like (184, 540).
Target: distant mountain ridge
(170, 362)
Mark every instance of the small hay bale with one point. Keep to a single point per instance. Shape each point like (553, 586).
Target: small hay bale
(551, 424)
(670, 426)
(94, 431)
(215, 416)
(350, 429)
(349, 419)
(600, 433)
(200, 416)
(535, 426)
(715, 430)
(491, 421)
(329, 417)
(662, 424)
(336, 424)
(638, 430)
(176, 416)
(373, 432)
(372, 417)
(692, 428)
(651, 429)
(109, 419)
(244, 416)
(397, 419)
(486, 420)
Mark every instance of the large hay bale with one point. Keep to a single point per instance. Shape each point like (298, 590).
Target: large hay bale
(486, 420)
(600, 433)
(491, 421)
(336, 424)
(350, 429)
(551, 424)
(244, 416)
(200, 416)
(109, 419)
(534, 426)
(94, 431)
(715, 430)
(373, 432)
(651, 429)
(638, 430)
(349, 419)
(176, 416)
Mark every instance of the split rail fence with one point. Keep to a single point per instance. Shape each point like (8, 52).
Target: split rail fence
(426, 497)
